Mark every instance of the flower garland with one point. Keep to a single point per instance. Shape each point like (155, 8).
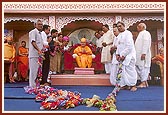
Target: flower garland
(54, 99)
(39, 72)
(118, 79)
(104, 105)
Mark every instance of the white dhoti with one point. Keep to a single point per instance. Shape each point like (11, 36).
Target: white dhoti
(33, 65)
(113, 74)
(143, 72)
(108, 67)
(128, 75)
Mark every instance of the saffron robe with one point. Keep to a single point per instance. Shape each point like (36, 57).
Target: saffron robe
(23, 61)
(83, 59)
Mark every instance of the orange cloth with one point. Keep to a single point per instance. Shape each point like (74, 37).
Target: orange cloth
(84, 56)
(9, 51)
(159, 58)
(9, 54)
(24, 55)
(23, 61)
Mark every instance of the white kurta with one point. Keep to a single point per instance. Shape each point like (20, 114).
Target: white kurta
(105, 55)
(99, 42)
(143, 46)
(126, 48)
(115, 43)
(44, 37)
(114, 67)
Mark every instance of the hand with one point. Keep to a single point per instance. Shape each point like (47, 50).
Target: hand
(83, 51)
(143, 56)
(39, 52)
(122, 58)
(12, 60)
(46, 46)
(113, 49)
(118, 57)
(104, 44)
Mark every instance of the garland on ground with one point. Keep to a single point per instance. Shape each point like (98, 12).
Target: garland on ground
(54, 99)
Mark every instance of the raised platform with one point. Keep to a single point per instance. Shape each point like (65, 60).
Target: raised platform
(84, 71)
(72, 79)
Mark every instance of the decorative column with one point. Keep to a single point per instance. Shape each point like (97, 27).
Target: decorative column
(51, 21)
(118, 18)
(160, 37)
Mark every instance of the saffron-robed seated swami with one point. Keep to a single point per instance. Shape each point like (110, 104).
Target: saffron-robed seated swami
(83, 55)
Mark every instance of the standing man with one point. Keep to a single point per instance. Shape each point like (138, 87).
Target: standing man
(126, 54)
(107, 44)
(143, 54)
(9, 55)
(53, 49)
(99, 40)
(46, 62)
(114, 68)
(35, 47)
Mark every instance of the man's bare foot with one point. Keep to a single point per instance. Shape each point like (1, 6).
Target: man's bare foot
(46, 84)
(143, 84)
(126, 87)
(133, 88)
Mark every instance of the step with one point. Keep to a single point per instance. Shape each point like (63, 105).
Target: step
(79, 72)
(72, 79)
(84, 71)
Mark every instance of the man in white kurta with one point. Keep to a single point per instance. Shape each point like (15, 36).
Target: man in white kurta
(143, 54)
(106, 57)
(35, 47)
(126, 53)
(115, 63)
(99, 40)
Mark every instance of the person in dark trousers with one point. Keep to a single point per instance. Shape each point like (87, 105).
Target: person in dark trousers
(46, 62)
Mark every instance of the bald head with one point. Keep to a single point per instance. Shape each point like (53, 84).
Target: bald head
(141, 27)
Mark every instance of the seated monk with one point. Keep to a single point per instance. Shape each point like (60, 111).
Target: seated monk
(160, 56)
(83, 55)
(159, 60)
(9, 55)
